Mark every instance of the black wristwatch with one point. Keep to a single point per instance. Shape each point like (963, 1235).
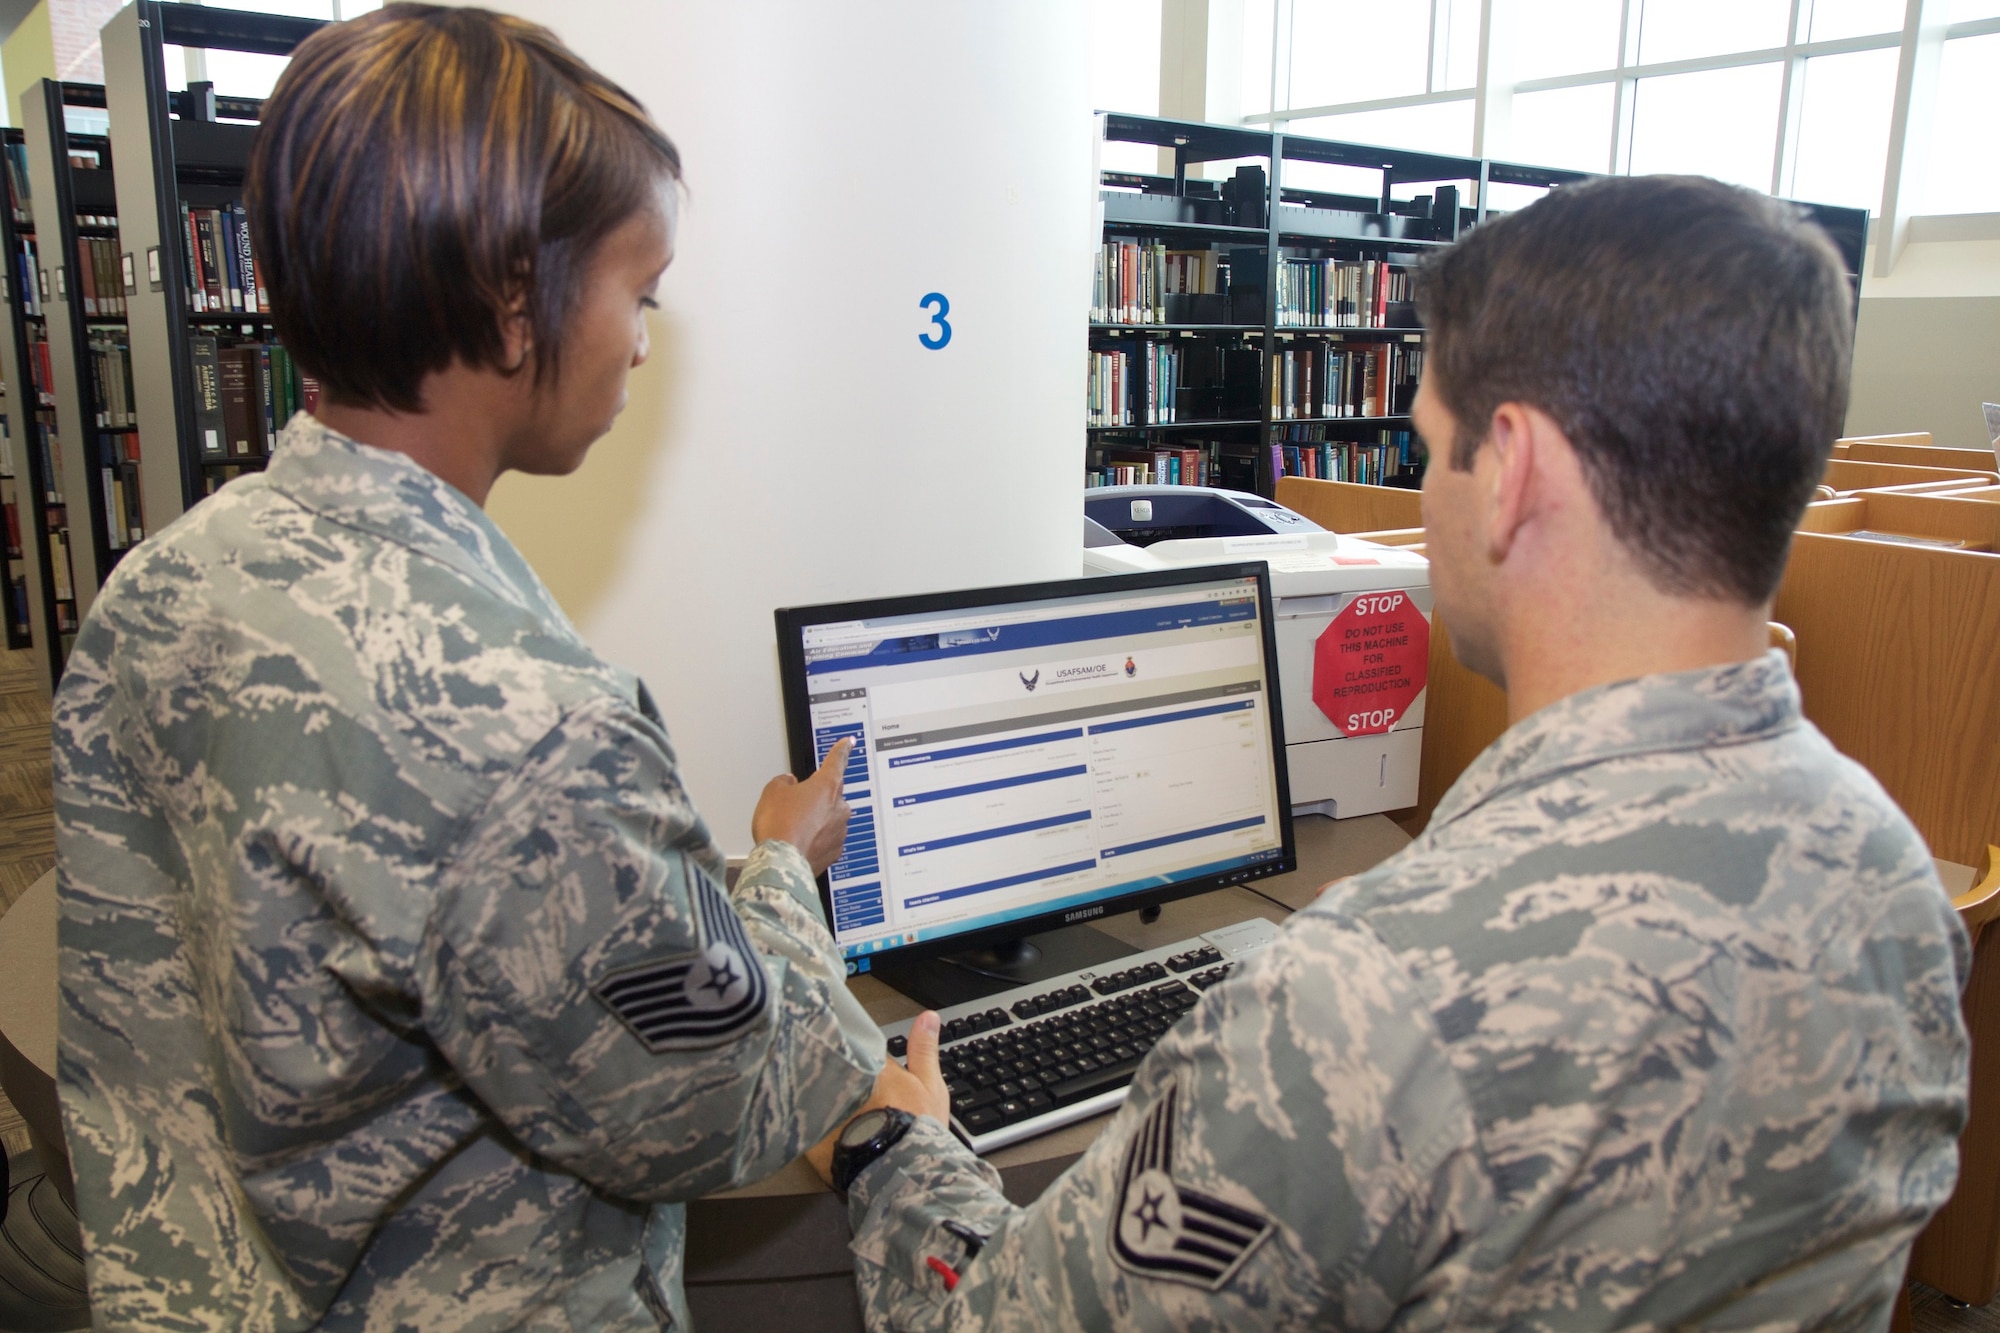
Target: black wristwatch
(866, 1138)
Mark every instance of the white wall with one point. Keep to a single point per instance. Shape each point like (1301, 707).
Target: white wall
(791, 441)
(1927, 345)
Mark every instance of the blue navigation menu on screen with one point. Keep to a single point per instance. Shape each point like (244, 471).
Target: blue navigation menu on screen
(1021, 759)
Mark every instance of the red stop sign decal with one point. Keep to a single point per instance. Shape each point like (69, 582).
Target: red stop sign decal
(1371, 663)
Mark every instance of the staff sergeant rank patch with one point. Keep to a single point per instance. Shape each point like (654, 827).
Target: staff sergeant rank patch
(692, 1001)
(1167, 1230)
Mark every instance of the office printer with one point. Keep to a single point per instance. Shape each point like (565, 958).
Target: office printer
(1353, 629)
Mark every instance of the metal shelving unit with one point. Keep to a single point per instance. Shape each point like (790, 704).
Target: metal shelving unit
(172, 149)
(1318, 223)
(94, 451)
(45, 561)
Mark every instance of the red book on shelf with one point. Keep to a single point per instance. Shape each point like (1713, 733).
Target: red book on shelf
(197, 281)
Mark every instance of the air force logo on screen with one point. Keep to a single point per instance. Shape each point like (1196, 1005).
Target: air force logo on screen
(1029, 682)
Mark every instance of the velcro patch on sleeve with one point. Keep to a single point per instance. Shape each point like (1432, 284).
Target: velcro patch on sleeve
(1162, 1228)
(692, 1001)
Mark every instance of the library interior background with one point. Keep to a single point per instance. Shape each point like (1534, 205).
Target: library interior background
(945, 269)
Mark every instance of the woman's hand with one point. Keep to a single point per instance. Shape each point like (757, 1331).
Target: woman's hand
(810, 815)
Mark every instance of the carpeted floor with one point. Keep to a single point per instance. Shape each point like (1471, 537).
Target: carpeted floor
(27, 822)
(27, 829)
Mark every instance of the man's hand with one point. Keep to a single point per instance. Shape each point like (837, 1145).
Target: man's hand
(919, 1090)
(810, 815)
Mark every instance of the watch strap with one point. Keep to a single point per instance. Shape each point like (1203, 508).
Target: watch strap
(851, 1161)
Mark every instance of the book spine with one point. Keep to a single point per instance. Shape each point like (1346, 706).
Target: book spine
(232, 269)
(197, 287)
(211, 257)
(267, 406)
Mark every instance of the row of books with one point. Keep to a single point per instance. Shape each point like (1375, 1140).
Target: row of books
(17, 185)
(118, 473)
(23, 280)
(1378, 462)
(1134, 279)
(111, 379)
(48, 450)
(244, 395)
(1134, 385)
(1341, 293)
(99, 278)
(1329, 379)
(223, 273)
(1195, 466)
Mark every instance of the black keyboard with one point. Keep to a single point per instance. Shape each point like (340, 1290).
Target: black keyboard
(1043, 1056)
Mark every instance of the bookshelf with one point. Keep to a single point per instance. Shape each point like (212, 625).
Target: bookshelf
(1209, 381)
(83, 312)
(44, 571)
(13, 560)
(177, 156)
(1273, 331)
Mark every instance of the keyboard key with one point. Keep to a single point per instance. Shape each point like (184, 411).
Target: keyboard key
(899, 1046)
(1037, 1101)
(1103, 1079)
(996, 1018)
(1012, 1110)
(981, 1121)
(1009, 1088)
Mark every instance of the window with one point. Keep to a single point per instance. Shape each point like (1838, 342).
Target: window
(1962, 169)
(1125, 74)
(1834, 19)
(1690, 29)
(1716, 122)
(1567, 37)
(1563, 127)
(1358, 50)
(1437, 127)
(1843, 133)
(1695, 86)
(1458, 22)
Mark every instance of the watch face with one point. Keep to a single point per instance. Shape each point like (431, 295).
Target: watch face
(863, 1128)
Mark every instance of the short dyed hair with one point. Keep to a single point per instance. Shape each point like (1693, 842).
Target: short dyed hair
(1692, 339)
(424, 173)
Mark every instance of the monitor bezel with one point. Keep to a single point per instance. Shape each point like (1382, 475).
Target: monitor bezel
(791, 623)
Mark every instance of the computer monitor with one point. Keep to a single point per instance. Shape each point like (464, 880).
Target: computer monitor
(1034, 757)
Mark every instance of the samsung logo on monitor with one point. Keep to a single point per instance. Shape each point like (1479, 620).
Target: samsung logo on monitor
(1083, 914)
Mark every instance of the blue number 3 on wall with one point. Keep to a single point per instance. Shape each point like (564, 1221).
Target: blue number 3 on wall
(936, 340)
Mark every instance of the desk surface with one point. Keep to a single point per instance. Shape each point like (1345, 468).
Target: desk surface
(1328, 850)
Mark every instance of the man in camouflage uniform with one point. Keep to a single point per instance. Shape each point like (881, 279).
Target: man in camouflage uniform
(401, 988)
(1657, 1024)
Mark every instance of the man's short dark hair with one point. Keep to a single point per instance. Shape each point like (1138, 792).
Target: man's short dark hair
(1691, 338)
(423, 174)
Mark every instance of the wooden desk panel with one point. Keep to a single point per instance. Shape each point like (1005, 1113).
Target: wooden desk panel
(1346, 506)
(1896, 665)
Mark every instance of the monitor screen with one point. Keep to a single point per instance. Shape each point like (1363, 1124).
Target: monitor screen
(1030, 757)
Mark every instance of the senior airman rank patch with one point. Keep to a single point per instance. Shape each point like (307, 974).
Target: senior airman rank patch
(692, 1001)
(1166, 1230)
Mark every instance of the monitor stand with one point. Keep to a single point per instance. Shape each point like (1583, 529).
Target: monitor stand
(958, 978)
